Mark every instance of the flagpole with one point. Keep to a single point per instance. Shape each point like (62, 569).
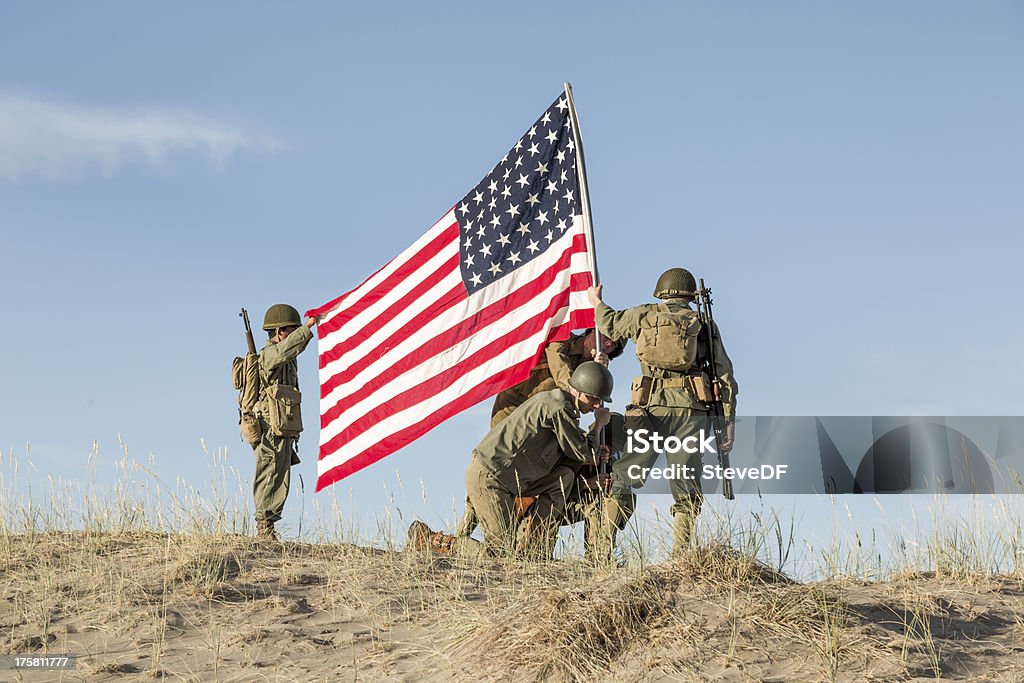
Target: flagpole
(588, 224)
(588, 220)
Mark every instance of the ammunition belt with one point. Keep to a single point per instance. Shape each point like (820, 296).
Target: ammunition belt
(643, 386)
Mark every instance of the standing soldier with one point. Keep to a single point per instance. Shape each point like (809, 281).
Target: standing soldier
(278, 411)
(671, 398)
(553, 370)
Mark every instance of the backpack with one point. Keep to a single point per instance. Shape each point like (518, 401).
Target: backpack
(667, 339)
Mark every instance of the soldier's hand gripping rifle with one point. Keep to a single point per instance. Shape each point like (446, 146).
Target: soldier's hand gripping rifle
(709, 368)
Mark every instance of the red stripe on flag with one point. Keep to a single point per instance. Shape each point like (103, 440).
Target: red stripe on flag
(403, 304)
(434, 385)
(379, 291)
(396, 440)
(458, 333)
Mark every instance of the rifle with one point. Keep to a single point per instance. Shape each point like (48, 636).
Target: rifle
(252, 376)
(244, 315)
(708, 322)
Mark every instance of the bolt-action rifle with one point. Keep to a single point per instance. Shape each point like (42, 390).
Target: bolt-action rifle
(246, 376)
(709, 368)
(244, 315)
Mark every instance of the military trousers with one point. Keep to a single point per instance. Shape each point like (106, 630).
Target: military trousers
(495, 507)
(663, 421)
(273, 474)
(549, 494)
(686, 492)
(604, 516)
(504, 405)
(538, 530)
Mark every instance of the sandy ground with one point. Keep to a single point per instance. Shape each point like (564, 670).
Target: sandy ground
(203, 608)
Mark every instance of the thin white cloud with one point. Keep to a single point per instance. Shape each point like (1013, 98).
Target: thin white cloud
(54, 140)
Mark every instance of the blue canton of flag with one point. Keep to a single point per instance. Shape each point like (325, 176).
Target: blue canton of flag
(523, 205)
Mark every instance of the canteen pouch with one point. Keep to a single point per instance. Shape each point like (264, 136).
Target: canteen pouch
(641, 387)
(668, 339)
(283, 413)
(250, 428)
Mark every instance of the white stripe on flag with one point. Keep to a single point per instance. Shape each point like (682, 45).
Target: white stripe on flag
(450, 318)
(430, 367)
(392, 265)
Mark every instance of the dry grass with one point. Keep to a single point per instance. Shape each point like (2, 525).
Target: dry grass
(142, 579)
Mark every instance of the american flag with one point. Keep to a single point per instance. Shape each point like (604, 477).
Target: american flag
(464, 312)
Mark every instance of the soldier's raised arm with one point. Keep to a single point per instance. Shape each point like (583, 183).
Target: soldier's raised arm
(559, 362)
(615, 324)
(282, 316)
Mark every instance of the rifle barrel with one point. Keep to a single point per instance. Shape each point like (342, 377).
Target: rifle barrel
(248, 331)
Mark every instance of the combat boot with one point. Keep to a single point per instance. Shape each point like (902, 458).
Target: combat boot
(421, 537)
(265, 530)
(682, 532)
(418, 536)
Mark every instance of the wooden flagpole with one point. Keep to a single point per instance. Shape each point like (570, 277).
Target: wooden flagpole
(588, 221)
(588, 224)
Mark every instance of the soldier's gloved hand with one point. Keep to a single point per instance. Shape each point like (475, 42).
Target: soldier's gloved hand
(728, 437)
(601, 357)
(602, 416)
(594, 295)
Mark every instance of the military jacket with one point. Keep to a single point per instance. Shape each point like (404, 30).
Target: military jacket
(626, 323)
(277, 361)
(529, 443)
(553, 370)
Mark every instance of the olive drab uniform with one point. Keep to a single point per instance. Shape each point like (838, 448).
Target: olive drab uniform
(515, 455)
(552, 371)
(277, 367)
(584, 503)
(666, 402)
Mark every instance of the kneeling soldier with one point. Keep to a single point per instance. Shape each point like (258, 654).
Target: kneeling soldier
(553, 370)
(522, 451)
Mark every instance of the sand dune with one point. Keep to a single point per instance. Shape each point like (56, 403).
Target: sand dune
(202, 608)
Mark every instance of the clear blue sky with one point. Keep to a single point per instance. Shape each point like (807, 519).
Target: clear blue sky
(847, 177)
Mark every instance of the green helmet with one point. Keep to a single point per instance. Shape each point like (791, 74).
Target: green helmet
(675, 282)
(594, 379)
(281, 315)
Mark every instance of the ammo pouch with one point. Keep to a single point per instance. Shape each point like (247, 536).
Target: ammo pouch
(698, 386)
(702, 389)
(250, 428)
(282, 410)
(642, 387)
